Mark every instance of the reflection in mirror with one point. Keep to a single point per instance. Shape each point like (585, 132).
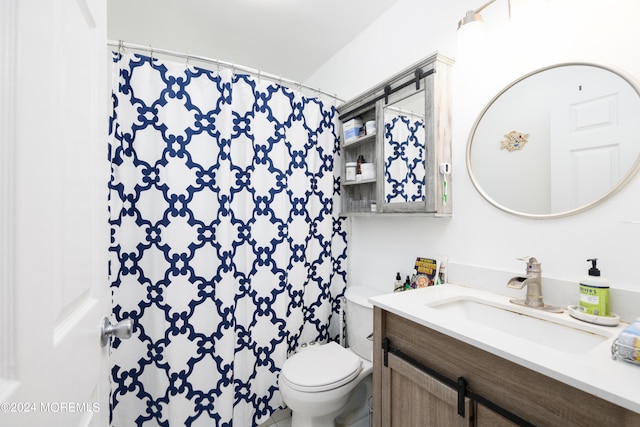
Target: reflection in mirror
(404, 145)
(557, 141)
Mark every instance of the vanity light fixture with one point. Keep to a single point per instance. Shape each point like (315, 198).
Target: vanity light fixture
(474, 15)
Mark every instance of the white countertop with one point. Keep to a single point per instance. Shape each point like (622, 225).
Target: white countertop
(593, 370)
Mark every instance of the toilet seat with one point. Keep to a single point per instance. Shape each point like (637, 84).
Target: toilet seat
(321, 368)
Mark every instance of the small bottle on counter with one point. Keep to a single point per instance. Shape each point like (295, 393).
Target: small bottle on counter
(594, 292)
(398, 286)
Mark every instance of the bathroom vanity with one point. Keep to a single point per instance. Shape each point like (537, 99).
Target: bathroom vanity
(451, 355)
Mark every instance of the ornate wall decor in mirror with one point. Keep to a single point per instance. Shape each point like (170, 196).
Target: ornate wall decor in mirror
(404, 150)
(581, 126)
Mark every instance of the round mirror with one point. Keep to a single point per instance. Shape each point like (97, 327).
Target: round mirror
(557, 141)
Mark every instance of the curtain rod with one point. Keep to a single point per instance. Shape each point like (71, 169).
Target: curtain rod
(187, 56)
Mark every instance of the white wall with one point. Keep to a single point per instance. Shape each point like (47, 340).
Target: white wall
(539, 33)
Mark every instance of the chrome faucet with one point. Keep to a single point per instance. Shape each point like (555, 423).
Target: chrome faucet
(533, 282)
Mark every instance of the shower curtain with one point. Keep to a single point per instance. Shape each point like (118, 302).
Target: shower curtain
(226, 249)
(404, 169)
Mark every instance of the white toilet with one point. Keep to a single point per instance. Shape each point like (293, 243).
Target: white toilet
(318, 380)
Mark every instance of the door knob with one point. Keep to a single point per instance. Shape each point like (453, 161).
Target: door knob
(121, 330)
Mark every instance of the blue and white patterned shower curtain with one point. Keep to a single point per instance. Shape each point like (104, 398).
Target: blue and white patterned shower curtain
(404, 169)
(226, 249)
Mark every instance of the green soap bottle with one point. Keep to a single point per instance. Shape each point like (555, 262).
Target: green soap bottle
(594, 292)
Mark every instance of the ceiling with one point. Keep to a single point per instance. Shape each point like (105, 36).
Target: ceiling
(289, 38)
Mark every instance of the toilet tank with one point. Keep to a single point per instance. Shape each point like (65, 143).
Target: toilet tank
(359, 318)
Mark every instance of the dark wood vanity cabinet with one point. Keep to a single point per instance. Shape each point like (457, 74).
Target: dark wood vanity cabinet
(416, 378)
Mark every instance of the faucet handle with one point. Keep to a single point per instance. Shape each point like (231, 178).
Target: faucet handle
(532, 263)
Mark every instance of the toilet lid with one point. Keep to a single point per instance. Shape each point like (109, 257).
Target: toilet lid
(321, 368)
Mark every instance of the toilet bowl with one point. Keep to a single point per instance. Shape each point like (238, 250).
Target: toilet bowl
(316, 383)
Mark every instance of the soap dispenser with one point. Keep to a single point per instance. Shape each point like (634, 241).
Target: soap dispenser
(594, 292)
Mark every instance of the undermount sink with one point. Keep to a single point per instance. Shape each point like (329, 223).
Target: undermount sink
(547, 329)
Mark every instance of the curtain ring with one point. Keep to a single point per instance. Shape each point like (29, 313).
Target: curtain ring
(151, 52)
(187, 62)
(121, 47)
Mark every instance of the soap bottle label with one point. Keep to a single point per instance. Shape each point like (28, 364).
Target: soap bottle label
(594, 300)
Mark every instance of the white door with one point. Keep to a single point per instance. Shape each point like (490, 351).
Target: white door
(54, 288)
(592, 116)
